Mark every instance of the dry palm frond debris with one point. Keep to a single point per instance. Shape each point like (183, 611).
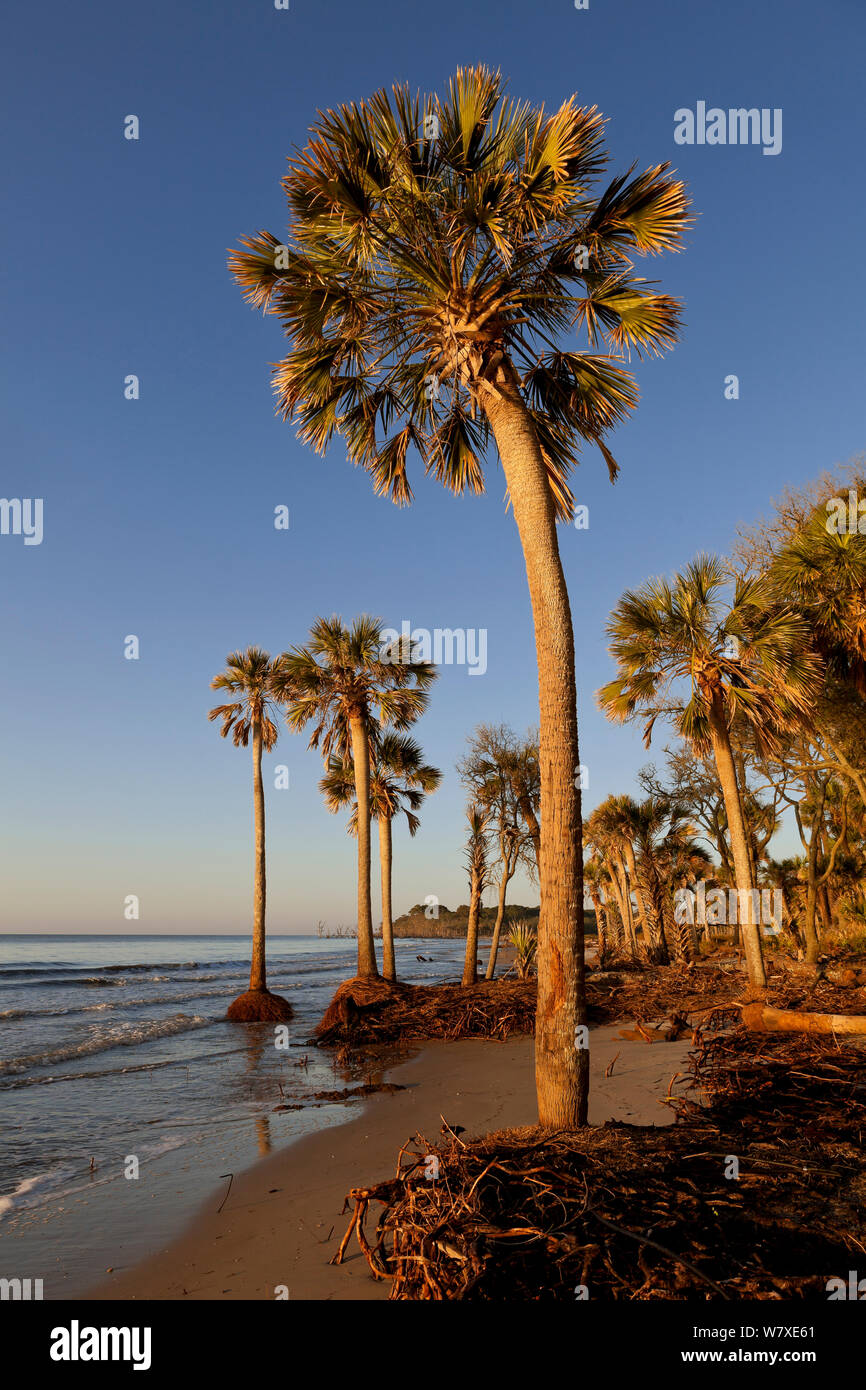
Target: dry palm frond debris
(649, 993)
(756, 1191)
(375, 1011)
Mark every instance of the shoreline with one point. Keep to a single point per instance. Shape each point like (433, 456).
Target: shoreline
(282, 1220)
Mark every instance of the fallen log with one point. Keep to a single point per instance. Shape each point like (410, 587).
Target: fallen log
(764, 1019)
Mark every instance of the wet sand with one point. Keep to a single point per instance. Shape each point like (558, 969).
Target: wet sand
(282, 1221)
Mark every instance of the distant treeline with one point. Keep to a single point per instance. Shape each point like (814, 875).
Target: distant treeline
(453, 923)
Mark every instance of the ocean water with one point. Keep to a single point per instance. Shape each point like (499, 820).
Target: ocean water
(117, 1047)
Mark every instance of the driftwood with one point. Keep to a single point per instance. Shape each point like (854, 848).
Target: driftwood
(762, 1018)
(757, 1191)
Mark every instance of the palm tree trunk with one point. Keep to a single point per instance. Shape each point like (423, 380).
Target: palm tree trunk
(626, 907)
(740, 766)
(258, 980)
(657, 898)
(809, 928)
(361, 758)
(739, 844)
(500, 913)
(389, 967)
(600, 923)
(615, 875)
(826, 907)
(613, 917)
(470, 963)
(634, 877)
(561, 1064)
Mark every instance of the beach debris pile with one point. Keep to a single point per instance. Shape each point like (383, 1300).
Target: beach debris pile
(758, 1190)
(376, 1011)
(646, 994)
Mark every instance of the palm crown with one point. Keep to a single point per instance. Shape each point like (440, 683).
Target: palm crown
(683, 651)
(416, 268)
(822, 571)
(344, 671)
(249, 675)
(399, 781)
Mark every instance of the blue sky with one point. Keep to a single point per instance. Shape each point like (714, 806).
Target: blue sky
(158, 513)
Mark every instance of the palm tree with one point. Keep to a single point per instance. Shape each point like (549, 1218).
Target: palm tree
(594, 873)
(524, 942)
(627, 817)
(604, 833)
(497, 769)
(744, 659)
(427, 287)
(664, 838)
(677, 859)
(350, 686)
(822, 573)
(476, 862)
(249, 676)
(399, 781)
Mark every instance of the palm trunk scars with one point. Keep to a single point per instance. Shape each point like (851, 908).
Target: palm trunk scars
(739, 846)
(258, 979)
(389, 967)
(561, 1059)
(361, 757)
(497, 928)
(470, 960)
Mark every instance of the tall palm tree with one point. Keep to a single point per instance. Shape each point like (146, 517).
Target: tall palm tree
(664, 841)
(497, 769)
(399, 781)
(430, 290)
(685, 653)
(677, 859)
(249, 676)
(594, 874)
(626, 817)
(604, 833)
(351, 686)
(478, 817)
(822, 572)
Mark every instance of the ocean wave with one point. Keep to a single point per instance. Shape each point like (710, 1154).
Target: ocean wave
(61, 1013)
(114, 1035)
(153, 1002)
(20, 1083)
(31, 1191)
(66, 982)
(57, 970)
(65, 1180)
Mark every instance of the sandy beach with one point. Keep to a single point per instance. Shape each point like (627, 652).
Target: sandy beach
(282, 1221)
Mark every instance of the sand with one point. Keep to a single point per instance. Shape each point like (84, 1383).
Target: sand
(282, 1221)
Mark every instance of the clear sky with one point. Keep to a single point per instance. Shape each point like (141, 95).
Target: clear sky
(158, 513)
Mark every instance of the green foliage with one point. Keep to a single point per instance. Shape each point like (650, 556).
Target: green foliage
(347, 672)
(688, 647)
(417, 271)
(253, 677)
(524, 942)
